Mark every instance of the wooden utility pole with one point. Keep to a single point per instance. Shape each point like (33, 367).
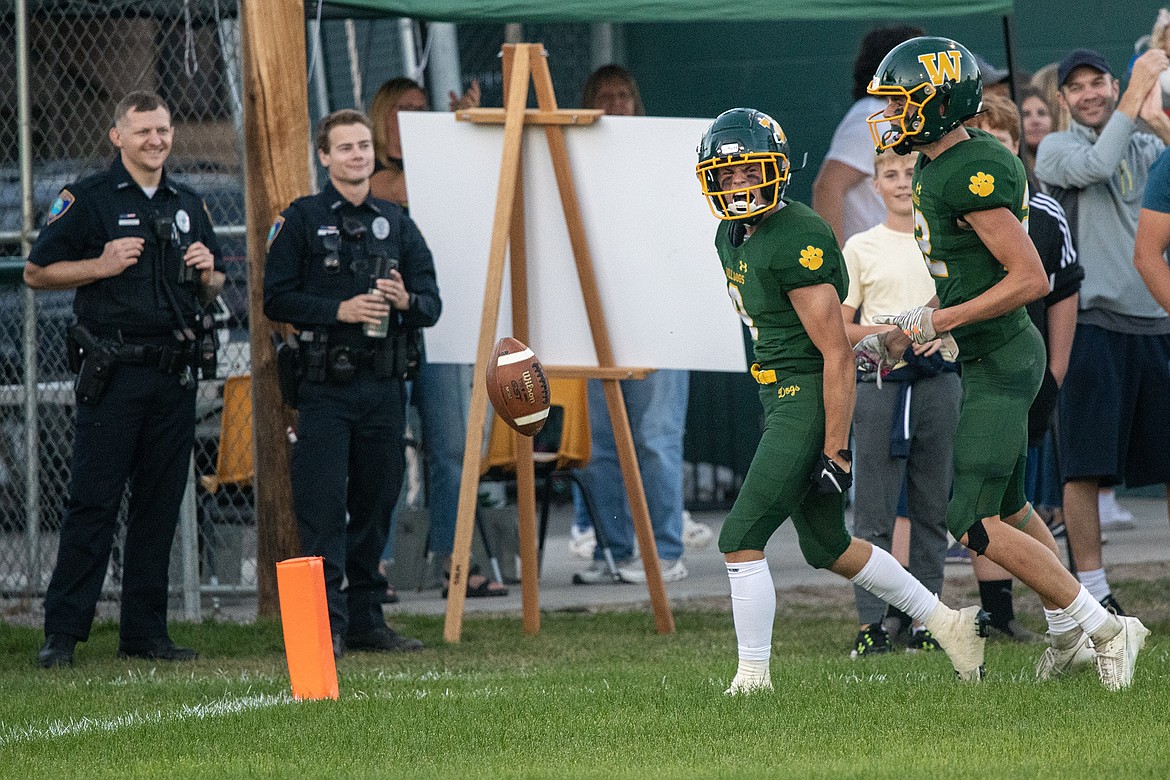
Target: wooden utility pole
(276, 124)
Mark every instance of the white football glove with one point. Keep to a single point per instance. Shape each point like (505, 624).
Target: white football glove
(873, 358)
(916, 323)
(950, 348)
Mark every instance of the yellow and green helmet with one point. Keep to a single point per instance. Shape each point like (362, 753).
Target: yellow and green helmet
(941, 86)
(736, 137)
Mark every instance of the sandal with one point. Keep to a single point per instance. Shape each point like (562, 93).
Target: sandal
(483, 587)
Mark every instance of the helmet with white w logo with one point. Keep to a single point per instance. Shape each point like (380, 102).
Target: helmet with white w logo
(933, 85)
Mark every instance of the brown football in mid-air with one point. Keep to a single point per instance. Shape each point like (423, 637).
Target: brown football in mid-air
(518, 387)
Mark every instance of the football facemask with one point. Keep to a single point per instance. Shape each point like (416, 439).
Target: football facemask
(757, 194)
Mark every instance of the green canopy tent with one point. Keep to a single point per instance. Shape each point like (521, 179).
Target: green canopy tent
(619, 11)
(633, 11)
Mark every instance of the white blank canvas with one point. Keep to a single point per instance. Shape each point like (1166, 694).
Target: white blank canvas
(650, 233)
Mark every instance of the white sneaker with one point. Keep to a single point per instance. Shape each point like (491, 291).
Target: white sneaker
(1117, 657)
(1113, 515)
(598, 573)
(962, 634)
(1067, 653)
(747, 684)
(582, 543)
(633, 571)
(695, 535)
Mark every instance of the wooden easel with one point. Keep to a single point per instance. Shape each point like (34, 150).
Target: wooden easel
(522, 62)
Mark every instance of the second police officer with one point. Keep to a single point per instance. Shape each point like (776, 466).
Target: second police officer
(354, 276)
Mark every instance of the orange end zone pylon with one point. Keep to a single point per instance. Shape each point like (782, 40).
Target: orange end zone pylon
(304, 616)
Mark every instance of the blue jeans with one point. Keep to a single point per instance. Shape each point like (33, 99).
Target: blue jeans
(657, 408)
(442, 393)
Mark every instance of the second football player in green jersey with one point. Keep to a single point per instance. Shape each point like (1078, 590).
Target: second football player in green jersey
(970, 196)
(977, 175)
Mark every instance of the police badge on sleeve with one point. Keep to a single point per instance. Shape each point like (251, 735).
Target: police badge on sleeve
(60, 206)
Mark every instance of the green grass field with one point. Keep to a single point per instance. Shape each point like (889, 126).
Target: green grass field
(594, 695)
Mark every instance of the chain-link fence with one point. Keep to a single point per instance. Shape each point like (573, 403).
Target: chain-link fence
(82, 57)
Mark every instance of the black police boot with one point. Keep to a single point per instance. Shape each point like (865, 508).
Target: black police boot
(56, 651)
(161, 649)
(383, 639)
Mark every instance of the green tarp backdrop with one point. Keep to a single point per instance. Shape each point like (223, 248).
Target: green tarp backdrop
(626, 11)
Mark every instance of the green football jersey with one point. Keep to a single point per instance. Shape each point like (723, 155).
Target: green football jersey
(974, 175)
(791, 248)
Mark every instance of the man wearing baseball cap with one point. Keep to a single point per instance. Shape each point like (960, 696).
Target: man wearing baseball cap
(1097, 169)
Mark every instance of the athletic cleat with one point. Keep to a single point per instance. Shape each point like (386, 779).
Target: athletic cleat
(871, 640)
(1066, 653)
(1110, 604)
(921, 641)
(1014, 631)
(1117, 657)
(747, 684)
(962, 634)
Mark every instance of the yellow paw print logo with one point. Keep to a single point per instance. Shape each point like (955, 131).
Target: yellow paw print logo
(982, 184)
(812, 258)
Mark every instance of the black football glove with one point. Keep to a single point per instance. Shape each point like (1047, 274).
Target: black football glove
(831, 479)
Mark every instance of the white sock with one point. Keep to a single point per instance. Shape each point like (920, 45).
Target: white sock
(1089, 613)
(1059, 622)
(1095, 581)
(885, 578)
(753, 608)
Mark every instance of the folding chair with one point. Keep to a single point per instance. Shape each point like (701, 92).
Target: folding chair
(225, 497)
(561, 447)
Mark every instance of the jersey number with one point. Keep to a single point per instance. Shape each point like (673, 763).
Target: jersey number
(937, 268)
(737, 301)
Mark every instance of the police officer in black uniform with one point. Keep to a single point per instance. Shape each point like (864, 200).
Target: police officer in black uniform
(138, 247)
(340, 264)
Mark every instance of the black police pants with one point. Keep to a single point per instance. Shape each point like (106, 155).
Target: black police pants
(348, 460)
(142, 430)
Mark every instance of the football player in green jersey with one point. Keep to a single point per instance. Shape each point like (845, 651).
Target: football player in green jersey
(971, 207)
(786, 278)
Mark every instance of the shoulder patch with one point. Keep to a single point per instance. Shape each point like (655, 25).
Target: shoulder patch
(812, 257)
(982, 184)
(274, 231)
(60, 206)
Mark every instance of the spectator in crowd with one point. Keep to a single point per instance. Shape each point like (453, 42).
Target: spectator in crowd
(327, 274)
(996, 81)
(442, 391)
(843, 192)
(1037, 122)
(657, 409)
(970, 203)
(1044, 80)
(1055, 317)
(1159, 38)
(787, 278)
(903, 427)
(1097, 170)
(139, 249)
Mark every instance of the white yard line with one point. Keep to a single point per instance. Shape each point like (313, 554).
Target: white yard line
(75, 726)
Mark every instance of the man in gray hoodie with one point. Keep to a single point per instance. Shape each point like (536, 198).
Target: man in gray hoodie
(1115, 407)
